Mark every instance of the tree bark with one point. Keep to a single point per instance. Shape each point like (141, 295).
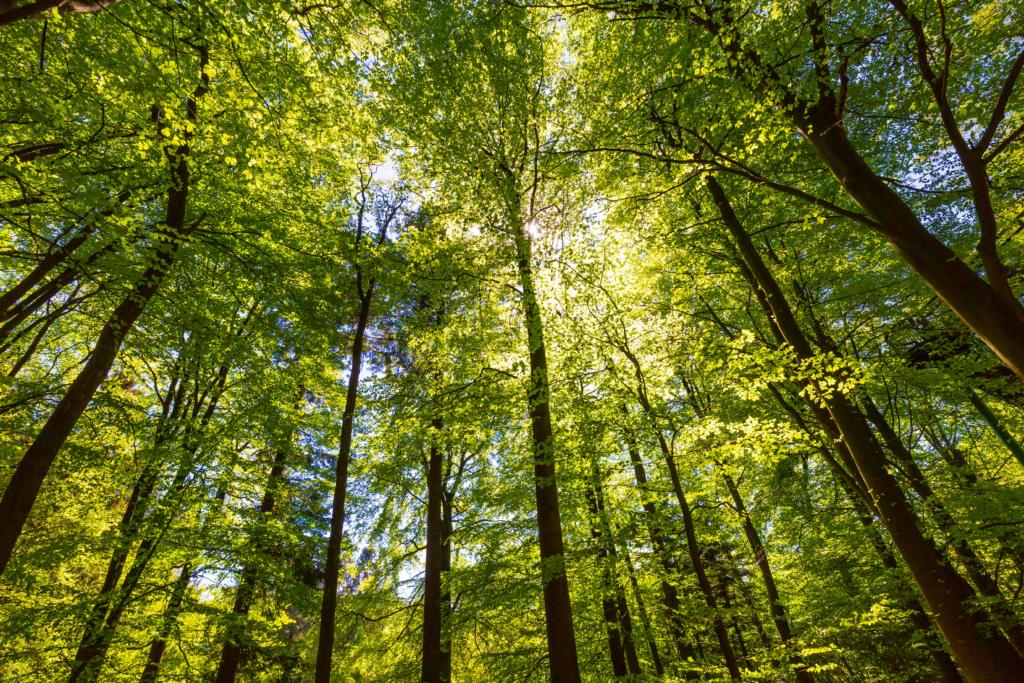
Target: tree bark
(998, 322)
(645, 619)
(982, 654)
(328, 607)
(609, 604)
(775, 606)
(654, 518)
(561, 639)
(433, 671)
(621, 606)
(689, 529)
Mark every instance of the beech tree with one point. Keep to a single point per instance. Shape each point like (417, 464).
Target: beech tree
(472, 341)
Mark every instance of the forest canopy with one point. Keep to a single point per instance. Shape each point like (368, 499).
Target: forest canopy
(492, 340)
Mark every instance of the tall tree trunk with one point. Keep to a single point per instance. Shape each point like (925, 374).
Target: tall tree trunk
(432, 671)
(997, 427)
(231, 654)
(645, 619)
(690, 530)
(24, 486)
(155, 657)
(983, 655)
(561, 638)
(621, 606)
(328, 607)
(57, 255)
(609, 604)
(979, 575)
(864, 506)
(654, 518)
(110, 606)
(447, 526)
(999, 323)
(775, 605)
(169, 618)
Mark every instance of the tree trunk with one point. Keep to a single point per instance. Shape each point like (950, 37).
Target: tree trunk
(692, 545)
(447, 526)
(775, 606)
(174, 605)
(432, 618)
(999, 323)
(561, 638)
(654, 519)
(997, 427)
(231, 654)
(983, 581)
(621, 606)
(645, 619)
(328, 607)
(57, 255)
(24, 486)
(609, 604)
(864, 506)
(982, 655)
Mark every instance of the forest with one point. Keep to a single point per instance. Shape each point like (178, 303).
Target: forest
(462, 341)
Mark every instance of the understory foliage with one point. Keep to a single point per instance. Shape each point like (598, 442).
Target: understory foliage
(500, 341)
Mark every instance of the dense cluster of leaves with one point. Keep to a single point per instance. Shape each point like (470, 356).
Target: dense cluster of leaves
(612, 240)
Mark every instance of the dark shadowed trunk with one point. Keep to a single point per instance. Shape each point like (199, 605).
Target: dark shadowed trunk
(654, 518)
(775, 606)
(433, 671)
(328, 607)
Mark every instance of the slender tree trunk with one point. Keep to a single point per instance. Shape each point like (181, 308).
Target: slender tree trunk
(45, 293)
(174, 605)
(231, 654)
(997, 427)
(328, 607)
(24, 485)
(775, 605)
(862, 503)
(982, 654)
(447, 526)
(561, 638)
(432, 618)
(57, 255)
(645, 619)
(689, 529)
(621, 606)
(92, 649)
(170, 617)
(655, 521)
(609, 604)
